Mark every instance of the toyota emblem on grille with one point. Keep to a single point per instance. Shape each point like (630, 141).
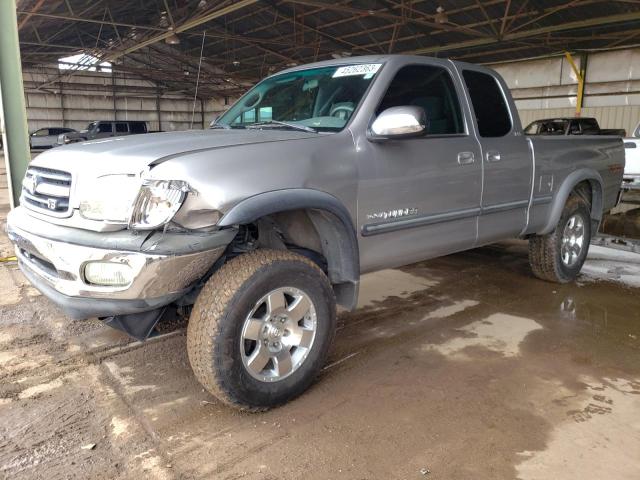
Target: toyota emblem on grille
(30, 183)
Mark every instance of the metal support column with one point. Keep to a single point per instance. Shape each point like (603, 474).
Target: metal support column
(64, 122)
(15, 135)
(581, 75)
(113, 92)
(158, 112)
(202, 112)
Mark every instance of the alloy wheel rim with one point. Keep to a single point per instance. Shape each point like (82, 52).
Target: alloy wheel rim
(278, 334)
(573, 238)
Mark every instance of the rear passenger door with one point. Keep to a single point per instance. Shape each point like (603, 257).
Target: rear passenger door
(506, 158)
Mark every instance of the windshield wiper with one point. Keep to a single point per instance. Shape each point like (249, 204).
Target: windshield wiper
(294, 126)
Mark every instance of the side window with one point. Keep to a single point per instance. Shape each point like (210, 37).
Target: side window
(589, 126)
(137, 127)
(249, 116)
(430, 88)
(43, 132)
(121, 127)
(489, 104)
(265, 114)
(574, 128)
(104, 128)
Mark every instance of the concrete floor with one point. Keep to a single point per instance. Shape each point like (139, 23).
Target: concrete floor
(456, 368)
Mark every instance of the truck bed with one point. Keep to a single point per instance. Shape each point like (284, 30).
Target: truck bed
(557, 158)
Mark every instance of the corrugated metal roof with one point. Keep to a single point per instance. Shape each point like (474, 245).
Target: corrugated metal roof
(267, 35)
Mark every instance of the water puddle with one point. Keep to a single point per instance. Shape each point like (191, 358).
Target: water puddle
(499, 332)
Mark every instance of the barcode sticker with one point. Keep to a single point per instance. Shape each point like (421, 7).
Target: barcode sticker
(369, 69)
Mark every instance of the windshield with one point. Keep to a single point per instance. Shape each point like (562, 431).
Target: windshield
(321, 98)
(91, 126)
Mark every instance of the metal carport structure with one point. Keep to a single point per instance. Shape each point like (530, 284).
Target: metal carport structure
(221, 47)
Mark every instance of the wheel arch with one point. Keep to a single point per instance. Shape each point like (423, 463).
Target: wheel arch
(333, 225)
(575, 178)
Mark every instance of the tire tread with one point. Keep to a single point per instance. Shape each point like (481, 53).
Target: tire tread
(211, 309)
(543, 249)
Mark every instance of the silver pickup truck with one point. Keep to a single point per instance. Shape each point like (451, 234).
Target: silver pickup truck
(258, 227)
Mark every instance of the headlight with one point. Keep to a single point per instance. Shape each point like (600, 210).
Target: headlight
(157, 203)
(110, 198)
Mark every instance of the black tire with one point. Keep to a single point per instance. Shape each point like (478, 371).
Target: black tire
(216, 324)
(545, 251)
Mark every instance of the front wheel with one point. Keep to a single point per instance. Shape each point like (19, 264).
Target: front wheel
(559, 255)
(261, 329)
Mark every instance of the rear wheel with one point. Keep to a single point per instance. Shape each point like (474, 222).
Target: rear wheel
(261, 329)
(559, 255)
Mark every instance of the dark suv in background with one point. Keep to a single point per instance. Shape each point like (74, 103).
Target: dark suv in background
(104, 129)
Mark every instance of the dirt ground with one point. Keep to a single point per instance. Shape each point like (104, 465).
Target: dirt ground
(463, 367)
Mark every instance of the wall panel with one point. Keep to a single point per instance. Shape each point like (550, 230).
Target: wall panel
(548, 88)
(73, 101)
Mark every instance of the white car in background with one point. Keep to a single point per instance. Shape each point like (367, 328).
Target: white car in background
(47, 137)
(632, 157)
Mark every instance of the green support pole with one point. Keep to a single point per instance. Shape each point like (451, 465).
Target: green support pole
(16, 136)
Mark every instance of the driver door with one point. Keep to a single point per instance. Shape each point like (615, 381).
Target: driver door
(420, 197)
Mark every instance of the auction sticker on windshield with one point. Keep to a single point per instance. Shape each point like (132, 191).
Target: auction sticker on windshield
(362, 69)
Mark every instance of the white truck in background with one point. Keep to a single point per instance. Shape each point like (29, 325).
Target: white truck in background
(631, 179)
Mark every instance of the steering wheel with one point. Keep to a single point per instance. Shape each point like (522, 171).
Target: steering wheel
(342, 111)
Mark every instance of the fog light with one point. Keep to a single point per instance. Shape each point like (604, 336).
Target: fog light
(108, 273)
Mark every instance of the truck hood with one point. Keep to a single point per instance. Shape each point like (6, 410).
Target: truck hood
(132, 154)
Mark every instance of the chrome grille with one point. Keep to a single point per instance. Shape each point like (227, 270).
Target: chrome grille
(47, 191)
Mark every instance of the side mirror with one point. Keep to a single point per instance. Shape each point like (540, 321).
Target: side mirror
(399, 122)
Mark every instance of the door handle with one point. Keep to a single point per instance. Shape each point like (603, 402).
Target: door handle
(493, 157)
(465, 158)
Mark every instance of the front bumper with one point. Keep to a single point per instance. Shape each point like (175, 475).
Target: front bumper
(164, 265)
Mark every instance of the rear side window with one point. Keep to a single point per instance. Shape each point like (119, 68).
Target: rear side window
(489, 104)
(574, 128)
(121, 127)
(137, 127)
(430, 88)
(589, 126)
